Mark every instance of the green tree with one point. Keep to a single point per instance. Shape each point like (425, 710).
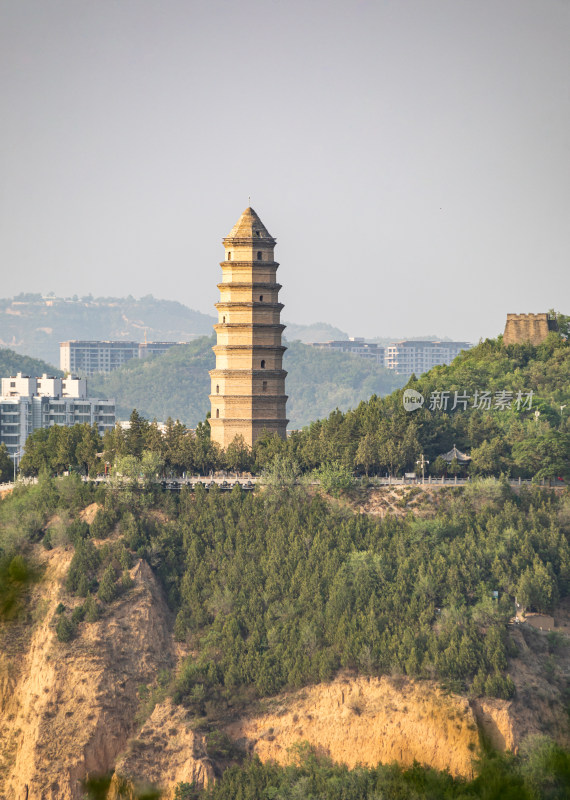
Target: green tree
(136, 434)
(537, 587)
(65, 629)
(334, 477)
(367, 452)
(282, 471)
(107, 588)
(6, 465)
(37, 455)
(439, 467)
(88, 449)
(128, 467)
(151, 465)
(488, 458)
(238, 456)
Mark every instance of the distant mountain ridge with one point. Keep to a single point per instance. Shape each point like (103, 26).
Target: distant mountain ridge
(35, 324)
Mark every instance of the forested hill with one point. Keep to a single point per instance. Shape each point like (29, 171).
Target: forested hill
(11, 363)
(508, 407)
(177, 384)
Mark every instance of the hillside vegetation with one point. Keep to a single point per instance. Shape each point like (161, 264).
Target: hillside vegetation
(271, 598)
(284, 588)
(177, 384)
(11, 363)
(526, 437)
(378, 437)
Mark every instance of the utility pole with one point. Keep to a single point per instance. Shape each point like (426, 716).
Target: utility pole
(422, 462)
(16, 454)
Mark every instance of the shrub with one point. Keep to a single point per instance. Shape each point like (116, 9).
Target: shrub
(334, 477)
(78, 615)
(107, 589)
(18, 569)
(187, 791)
(65, 629)
(91, 609)
(103, 523)
(77, 531)
(498, 685)
(83, 568)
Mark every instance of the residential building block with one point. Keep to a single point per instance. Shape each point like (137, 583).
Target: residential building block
(416, 357)
(89, 357)
(27, 404)
(356, 346)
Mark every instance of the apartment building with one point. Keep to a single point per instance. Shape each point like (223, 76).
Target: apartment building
(415, 357)
(27, 404)
(89, 357)
(356, 346)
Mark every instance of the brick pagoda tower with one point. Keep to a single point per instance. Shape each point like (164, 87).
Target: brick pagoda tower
(248, 383)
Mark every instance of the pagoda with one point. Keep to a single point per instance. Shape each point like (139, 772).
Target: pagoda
(248, 384)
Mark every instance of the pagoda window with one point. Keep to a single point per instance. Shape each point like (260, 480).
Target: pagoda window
(229, 255)
(259, 254)
(223, 319)
(263, 364)
(261, 298)
(264, 386)
(217, 413)
(217, 389)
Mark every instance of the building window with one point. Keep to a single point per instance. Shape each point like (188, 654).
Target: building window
(229, 255)
(259, 255)
(264, 386)
(217, 413)
(261, 298)
(263, 364)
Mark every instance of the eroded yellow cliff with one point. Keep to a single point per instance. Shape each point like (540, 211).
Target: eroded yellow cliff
(69, 709)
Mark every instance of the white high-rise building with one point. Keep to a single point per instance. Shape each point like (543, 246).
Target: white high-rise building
(415, 357)
(89, 357)
(27, 404)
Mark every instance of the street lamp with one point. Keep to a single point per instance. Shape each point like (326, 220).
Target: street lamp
(422, 463)
(561, 410)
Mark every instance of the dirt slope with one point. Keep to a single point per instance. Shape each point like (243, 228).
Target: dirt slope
(71, 708)
(367, 720)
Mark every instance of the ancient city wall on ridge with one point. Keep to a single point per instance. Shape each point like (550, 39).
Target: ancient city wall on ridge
(533, 328)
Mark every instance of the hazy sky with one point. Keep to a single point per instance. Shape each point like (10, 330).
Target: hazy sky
(412, 157)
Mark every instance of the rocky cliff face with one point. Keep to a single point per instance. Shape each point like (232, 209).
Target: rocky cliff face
(366, 721)
(71, 710)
